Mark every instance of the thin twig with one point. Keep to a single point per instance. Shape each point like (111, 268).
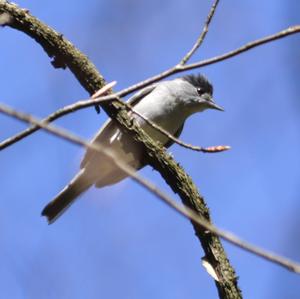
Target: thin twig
(270, 38)
(178, 69)
(104, 90)
(183, 210)
(211, 149)
(201, 38)
(165, 74)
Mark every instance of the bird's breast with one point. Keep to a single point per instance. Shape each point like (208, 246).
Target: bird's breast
(170, 121)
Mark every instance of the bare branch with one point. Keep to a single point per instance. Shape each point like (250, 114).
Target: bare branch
(202, 36)
(270, 38)
(211, 149)
(106, 89)
(65, 54)
(183, 210)
(178, 69)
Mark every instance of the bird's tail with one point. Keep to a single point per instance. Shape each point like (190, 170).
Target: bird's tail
(66, 197)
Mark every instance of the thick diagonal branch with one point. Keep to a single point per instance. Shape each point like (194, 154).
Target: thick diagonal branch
(65, 54)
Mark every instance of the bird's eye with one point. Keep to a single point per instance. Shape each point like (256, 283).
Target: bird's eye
(200, 91)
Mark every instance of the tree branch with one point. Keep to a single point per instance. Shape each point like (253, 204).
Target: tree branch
(65, 54)
(173, 174)
(202, 36)
(270, 38)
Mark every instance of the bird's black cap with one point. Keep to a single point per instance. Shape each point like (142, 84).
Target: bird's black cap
(199, 81)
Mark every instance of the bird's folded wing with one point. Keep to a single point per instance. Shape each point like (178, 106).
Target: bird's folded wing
(141, 94)
(109, 129)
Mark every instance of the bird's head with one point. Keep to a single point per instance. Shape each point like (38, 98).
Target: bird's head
(197, 94)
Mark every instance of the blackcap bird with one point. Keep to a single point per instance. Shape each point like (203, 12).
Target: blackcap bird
(167, 104)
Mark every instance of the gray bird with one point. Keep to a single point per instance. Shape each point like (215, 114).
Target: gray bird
(168, 104)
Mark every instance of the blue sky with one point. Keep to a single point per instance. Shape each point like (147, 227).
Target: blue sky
(121, 241)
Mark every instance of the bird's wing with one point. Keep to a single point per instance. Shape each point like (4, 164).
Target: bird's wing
(109, 128)
(141, 94)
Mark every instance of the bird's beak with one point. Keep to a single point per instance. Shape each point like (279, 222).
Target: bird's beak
(213, 105)
(208, 99)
